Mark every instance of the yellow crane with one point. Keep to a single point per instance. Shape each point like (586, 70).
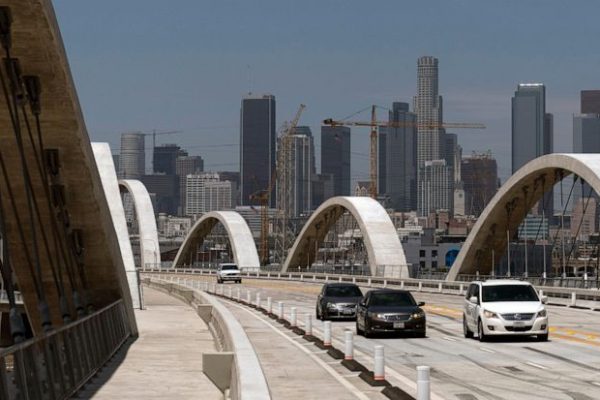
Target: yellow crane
(373, 124)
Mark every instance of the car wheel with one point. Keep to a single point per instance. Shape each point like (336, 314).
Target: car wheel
(367, 332)
(480, 333)
(317, 313)
(359, 332)
(466, 331)
(421, 334)
(542, 338)
(219, 281)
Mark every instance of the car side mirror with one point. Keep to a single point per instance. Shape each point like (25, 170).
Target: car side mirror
(362, 303)
(473, 299)
(544, 299)
(421, 303)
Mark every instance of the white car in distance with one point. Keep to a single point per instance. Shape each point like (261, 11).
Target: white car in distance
(504, 307)
(228, 272)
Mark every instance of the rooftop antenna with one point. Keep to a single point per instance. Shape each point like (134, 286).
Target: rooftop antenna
(249, 68)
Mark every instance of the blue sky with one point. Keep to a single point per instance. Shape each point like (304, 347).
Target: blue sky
(185, 64)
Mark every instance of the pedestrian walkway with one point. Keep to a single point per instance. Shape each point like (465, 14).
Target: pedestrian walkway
(165, 362)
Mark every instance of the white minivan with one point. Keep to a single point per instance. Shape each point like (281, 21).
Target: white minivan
(504, 307)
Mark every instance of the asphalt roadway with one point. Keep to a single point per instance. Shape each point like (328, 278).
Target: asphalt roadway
(565, 367)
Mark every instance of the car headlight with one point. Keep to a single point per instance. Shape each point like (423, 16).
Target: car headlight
(376, 316)
(542, 313)
(330, 305)
(489, 314)
(418, 315)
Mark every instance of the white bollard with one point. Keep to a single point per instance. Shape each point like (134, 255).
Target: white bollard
(541, 293)
(248, 297)
(257, 300)
(327, 333)
(280, 309)
(270, 305)
(349, 348)
(239, 294)
(353, 279)
(229, 292)
(401, 284)
(308, 324)
(369, 282)
(573, 299)
(423, 384)
(379, 369)
(293, 321)
(385, 283)
(440, 287)
(340, 279)
(420, 286)
(460, 289)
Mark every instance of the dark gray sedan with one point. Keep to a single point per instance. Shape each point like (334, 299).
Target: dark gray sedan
(338, 300)
(391, 311)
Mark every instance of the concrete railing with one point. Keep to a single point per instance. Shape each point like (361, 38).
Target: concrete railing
(570, 297)
(235, 368)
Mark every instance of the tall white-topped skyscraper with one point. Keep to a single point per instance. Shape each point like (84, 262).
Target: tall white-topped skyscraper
(436, 176)
(428, 107)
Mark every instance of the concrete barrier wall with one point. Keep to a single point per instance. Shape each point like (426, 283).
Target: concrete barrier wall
(247, 378)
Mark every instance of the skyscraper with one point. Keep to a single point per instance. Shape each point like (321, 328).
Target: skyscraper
(586, 139)
(257, 146)
(529, 135)
(184, 166)
(401, 159)
(532, 132)
(206, 192)
(335, 157)
(164, 159)
(590, 101)
(431, 140)
(479, 174)
(299, 196)
(132, 163)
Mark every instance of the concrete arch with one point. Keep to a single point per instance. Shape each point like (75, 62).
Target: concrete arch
(110, 186)
(240, 238)
(520, 192)
(144, 212)
(379, 235)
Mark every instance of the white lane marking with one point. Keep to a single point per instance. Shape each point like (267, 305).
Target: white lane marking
(596, 383)
(448, 338)
(535, 365)
(487, 350)
(353, 389)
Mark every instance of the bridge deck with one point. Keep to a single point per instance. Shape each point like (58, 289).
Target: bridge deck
(165, 362)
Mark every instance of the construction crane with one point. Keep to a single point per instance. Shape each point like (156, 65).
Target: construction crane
(262, 197)
(374, 124)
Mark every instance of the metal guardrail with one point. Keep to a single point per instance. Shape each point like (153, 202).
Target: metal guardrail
(57, 364)
(247, 378)
(570, 297)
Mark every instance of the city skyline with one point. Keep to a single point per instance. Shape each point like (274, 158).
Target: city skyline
(478, 72)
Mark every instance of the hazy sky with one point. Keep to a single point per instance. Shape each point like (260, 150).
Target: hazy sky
(185, 64)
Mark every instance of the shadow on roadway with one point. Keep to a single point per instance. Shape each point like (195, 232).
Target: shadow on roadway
(106, 372)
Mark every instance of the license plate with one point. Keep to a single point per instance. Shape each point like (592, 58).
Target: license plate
(347, 312)
(519, 323)
(398, 325)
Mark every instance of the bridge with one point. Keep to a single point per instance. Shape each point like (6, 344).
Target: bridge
(80, 318)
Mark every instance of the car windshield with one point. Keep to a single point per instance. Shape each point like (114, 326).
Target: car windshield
(509, 293)
(392, 299)
(343, 291)
(229, 267)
